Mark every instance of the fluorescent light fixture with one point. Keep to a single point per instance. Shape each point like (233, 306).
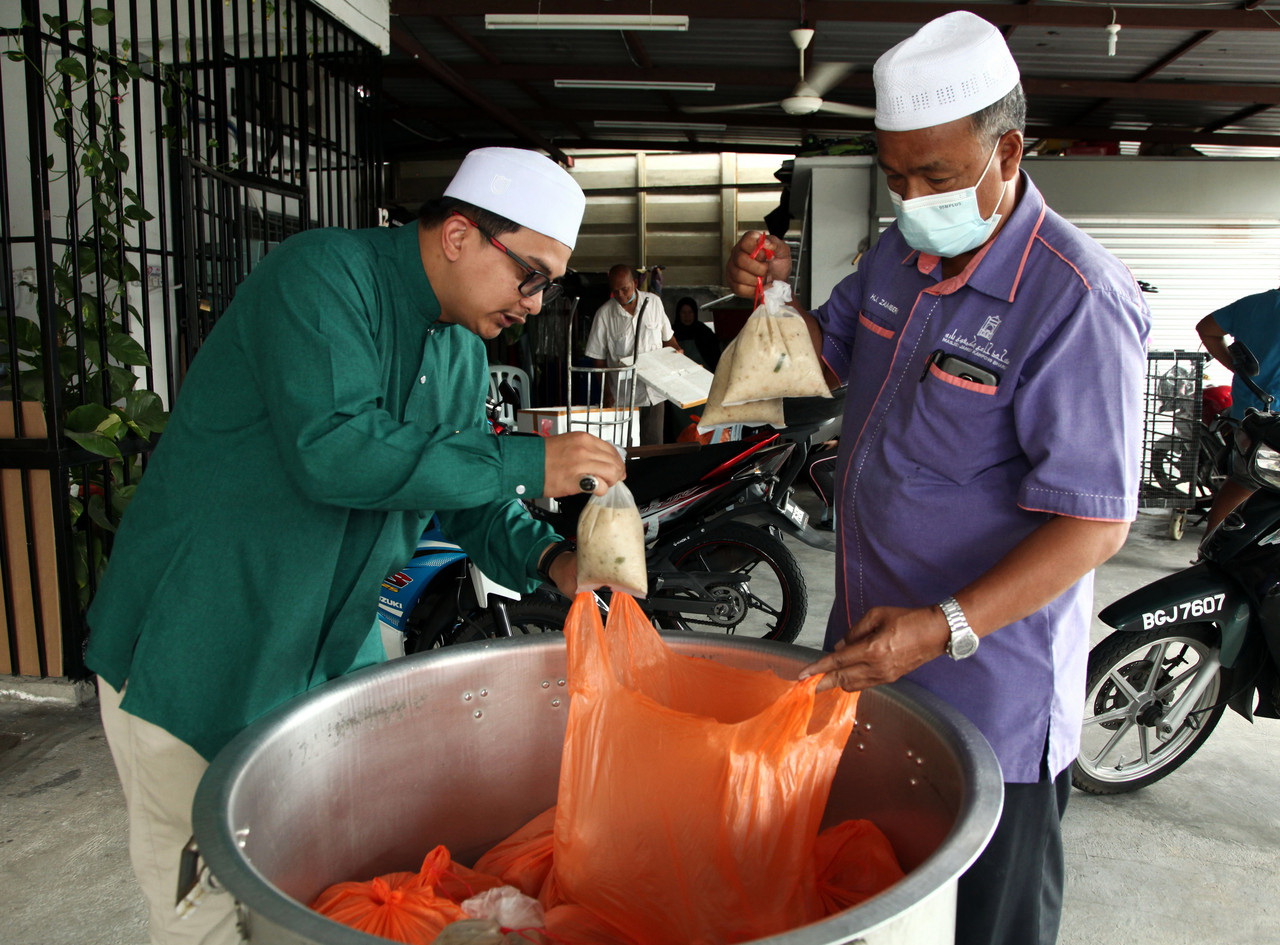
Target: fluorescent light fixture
(635, 85)
(619, 125)
(576, 21)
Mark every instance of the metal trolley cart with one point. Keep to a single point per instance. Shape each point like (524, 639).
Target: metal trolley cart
(1176, 472)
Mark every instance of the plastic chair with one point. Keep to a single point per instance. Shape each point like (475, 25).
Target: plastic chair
(518, 378)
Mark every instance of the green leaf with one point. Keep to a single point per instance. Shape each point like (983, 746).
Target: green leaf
(127, 351)
(71, 66)
(26, 334)
(55, 23)
(62, 284)
(48, 162)
(135, 212)
(122, 382)
(32, 384)
(145, 409)
(87, 418)
(129, 273)
(87, 258)
(15, 56)
(98, 512)
(62, 128)
(102, 16)
(120, 160)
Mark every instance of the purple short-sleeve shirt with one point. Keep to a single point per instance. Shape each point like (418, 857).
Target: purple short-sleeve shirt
(939, 477)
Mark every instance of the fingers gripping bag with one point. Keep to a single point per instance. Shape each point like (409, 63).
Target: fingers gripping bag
(753, 413)
(691, 793)
(775, 356)
(611, 544)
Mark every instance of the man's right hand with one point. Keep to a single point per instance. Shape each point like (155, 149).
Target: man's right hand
(572, 456)
(743, 271)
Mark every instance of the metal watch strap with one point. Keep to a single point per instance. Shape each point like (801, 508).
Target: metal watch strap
(963, 642)
(549, 556)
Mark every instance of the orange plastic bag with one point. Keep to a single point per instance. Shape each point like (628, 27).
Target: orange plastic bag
(523, 860)
(406, 907)
(691, 793)
(855, 861)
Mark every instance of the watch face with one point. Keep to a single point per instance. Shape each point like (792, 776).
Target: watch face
(963, 644)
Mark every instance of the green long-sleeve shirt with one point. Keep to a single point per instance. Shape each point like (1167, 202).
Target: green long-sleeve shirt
(326, 417)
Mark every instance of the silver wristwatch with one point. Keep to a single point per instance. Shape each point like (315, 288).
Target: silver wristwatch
(964, 642)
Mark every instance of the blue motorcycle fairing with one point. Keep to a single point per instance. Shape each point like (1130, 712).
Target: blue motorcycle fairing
(402, 589)
(1192, 595)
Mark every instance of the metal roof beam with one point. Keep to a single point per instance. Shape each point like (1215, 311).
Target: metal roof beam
(878, 11)
(407, 43)
(1058, 88)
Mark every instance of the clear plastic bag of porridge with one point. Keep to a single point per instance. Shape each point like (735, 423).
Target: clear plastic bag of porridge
(752, 413)
(611, 544)
(775, 356)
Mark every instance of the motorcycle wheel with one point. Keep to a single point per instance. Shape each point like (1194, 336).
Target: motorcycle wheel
(768, 599)
(1133, 680)
(526, 616)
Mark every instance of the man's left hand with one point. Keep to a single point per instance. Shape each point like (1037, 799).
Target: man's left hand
(886, 644)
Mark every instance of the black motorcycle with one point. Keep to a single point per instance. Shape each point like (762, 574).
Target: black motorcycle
(714, 517)
(1191, 644)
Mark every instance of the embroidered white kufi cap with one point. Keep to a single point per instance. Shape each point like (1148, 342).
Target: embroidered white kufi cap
(523, 186)
(949, 68)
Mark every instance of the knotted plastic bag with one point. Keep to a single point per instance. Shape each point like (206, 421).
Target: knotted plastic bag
(407, 907)
(403, 907)
(855, 861)
(752, 413)
(691, 792)
(775, 355)
(611, 544)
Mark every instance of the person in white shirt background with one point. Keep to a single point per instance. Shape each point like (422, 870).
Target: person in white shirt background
(631, 322)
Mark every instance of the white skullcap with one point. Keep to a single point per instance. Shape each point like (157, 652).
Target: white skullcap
(951, 67)
(524, 187)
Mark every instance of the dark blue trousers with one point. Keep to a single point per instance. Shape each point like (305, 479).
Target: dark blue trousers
(1012, 894)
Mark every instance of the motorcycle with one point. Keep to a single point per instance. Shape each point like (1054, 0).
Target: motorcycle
(713, 515)
(1193, 643)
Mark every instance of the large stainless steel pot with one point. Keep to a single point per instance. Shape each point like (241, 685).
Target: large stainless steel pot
(461, 746)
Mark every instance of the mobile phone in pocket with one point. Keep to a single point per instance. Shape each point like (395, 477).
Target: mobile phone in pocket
(957, 366)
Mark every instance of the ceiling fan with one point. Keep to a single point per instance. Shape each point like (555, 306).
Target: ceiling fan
(806, 97)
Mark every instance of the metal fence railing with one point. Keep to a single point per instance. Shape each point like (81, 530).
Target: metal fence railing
(151, 152)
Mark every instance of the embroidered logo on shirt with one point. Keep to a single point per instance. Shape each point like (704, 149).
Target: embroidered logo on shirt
(499, 184)
(986, 351)
(988, 329)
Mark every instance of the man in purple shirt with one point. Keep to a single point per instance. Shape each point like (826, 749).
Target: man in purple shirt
(989, 460)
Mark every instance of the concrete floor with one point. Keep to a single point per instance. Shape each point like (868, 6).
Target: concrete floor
(1192, 859)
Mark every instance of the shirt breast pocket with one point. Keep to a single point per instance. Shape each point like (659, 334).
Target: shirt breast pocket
(877, 327)
(958, 429)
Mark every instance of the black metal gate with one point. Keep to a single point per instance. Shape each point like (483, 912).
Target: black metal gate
(152, 152)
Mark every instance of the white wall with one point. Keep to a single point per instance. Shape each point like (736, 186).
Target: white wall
(368, 19)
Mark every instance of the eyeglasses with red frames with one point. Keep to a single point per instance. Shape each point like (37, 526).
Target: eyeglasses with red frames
(535, 281)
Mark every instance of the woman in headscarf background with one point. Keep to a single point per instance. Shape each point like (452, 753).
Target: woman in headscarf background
(696, 337)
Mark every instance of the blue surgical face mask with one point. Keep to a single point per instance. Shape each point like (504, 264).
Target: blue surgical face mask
(947, 224)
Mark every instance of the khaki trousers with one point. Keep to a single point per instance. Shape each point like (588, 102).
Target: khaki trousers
(159, 774)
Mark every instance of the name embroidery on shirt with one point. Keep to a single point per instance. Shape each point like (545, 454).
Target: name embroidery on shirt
(889, 306)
